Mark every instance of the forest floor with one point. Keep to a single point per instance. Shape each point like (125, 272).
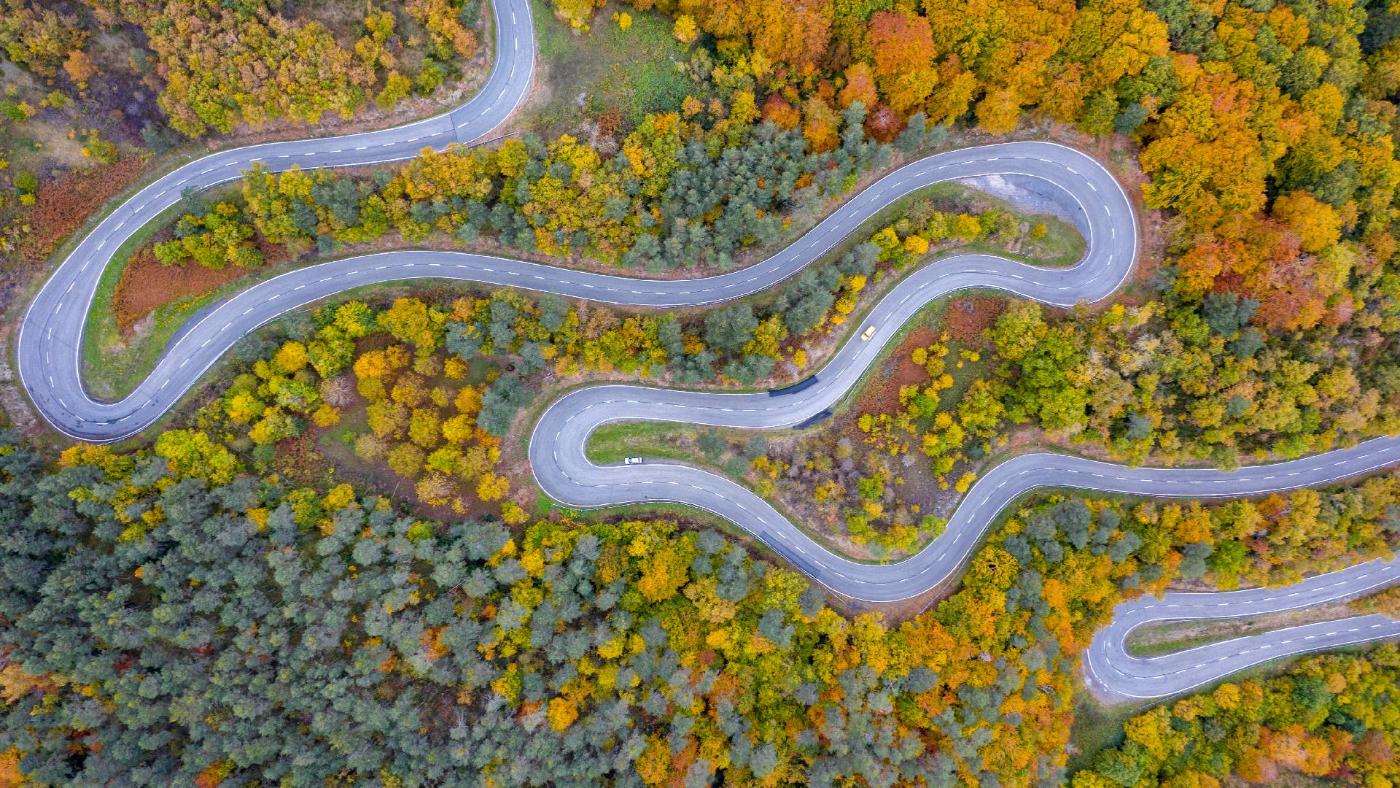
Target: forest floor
(594, 84)
(329, 457)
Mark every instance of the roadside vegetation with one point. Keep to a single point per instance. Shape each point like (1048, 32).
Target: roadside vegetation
(424, 392)
(133, 323)
(1320, 718)
(1250, 368)
(533, 635)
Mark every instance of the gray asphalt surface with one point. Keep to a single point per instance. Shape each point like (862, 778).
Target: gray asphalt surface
(1114, 671)
(49, 358)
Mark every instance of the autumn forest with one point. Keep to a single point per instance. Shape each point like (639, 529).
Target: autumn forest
(331, 562)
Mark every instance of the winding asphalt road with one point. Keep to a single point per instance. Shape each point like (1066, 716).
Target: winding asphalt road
(49, 356)
(48, 349)
(1112, 670)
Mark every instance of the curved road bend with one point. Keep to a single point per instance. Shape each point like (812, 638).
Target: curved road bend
(50, 340)
(1121, 675)
(51, 335)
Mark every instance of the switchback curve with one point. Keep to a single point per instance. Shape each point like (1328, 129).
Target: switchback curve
(1114, 671)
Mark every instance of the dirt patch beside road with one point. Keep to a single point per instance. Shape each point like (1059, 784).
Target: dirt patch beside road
(62, 204)
(967, 319)
(145, 284)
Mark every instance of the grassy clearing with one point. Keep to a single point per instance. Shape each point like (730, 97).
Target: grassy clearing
(1096, 727)
(1060, 246)
(37, 146)
(632, 72)
(611, 443)
(114, 371)
(963, 373)
(1171, 636)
